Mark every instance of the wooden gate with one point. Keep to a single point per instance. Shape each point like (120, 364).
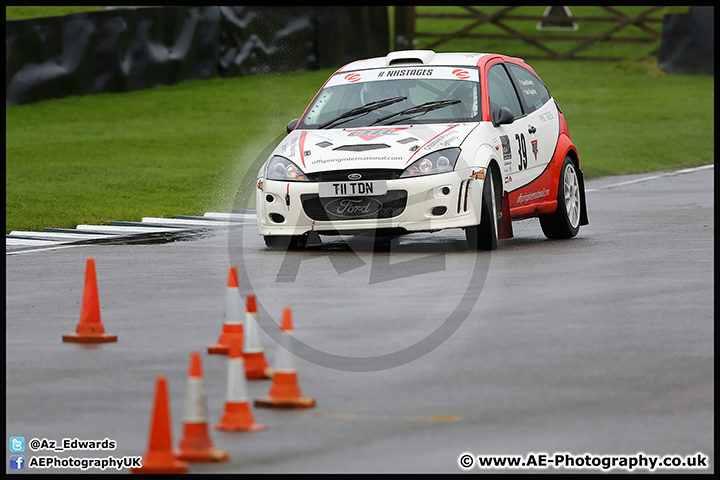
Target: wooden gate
(408, 37)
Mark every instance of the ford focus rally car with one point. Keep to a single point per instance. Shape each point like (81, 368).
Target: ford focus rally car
(419, 141)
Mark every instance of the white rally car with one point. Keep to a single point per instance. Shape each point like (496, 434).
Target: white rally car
(419, 141)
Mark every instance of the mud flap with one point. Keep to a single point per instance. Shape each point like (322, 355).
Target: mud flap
(505, 223)
(583, 205)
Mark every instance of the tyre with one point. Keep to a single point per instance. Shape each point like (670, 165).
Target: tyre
(565, 222)
(285, 242)
(485, 235)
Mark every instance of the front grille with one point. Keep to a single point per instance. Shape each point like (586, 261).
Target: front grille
(325, 209)
(342, 175)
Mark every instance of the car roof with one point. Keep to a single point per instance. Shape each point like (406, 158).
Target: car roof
(408, 58)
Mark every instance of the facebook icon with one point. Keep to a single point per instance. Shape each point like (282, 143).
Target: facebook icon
(17, 462)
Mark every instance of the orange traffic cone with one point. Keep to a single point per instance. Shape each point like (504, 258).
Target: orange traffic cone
(256, 367)
(237, 415)
(195, 445)
(232, 327)
(90, 329)
(159, 457)
(285, 392)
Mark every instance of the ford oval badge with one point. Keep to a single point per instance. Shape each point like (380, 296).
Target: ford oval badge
(354, 176)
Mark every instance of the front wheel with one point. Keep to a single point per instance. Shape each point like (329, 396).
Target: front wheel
(485, 235)
(565, 222)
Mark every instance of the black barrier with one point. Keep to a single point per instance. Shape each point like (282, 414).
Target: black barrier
(345, 34)
(126, 49)
(687, 46)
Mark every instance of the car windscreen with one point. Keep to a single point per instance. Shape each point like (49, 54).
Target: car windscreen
(396, 95)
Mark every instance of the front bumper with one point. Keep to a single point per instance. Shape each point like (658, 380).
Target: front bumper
(428, 203)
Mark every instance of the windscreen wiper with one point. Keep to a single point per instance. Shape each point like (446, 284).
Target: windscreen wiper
(362, 110)
(417, 110)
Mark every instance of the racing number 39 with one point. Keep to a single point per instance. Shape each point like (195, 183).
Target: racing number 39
(522, 150)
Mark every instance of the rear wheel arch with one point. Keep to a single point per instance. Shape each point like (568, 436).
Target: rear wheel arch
(574, 157)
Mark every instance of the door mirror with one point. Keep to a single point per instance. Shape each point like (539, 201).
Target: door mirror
(292, 124)
(502, 116)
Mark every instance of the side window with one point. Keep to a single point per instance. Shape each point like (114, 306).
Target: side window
(501, 91)
(531, 88)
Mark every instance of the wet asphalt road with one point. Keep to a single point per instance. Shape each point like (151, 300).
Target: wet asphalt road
(599, 345)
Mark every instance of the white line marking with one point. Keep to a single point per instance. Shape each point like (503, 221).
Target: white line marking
(653, 177)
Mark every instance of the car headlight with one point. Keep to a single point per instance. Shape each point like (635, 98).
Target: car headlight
(441, 161)
(280, 168)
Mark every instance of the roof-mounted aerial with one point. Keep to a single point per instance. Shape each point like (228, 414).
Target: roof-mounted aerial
(409, 57)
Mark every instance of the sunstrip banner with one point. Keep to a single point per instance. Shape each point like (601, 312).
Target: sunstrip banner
(403, 73)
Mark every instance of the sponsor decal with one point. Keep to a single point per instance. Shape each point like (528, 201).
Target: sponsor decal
(327, 135)
(302, 145)
(523, 198)
(374, 158)
(323, 144)
(414, 147)
(507, 153)
(529, 91)
(461, 74)
(445, 139)
(442, 141)
(438, 136)
(292, 147)
(546, 117)
(404, 72)
(353, 207)
(508, 179)
(479, 175)
(371, 133)
(395, 73)
(526, 82)
(534, 148)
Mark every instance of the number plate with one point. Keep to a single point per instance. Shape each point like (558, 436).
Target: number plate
(352, 189)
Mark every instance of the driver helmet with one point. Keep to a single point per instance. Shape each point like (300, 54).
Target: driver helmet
(466, 92)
